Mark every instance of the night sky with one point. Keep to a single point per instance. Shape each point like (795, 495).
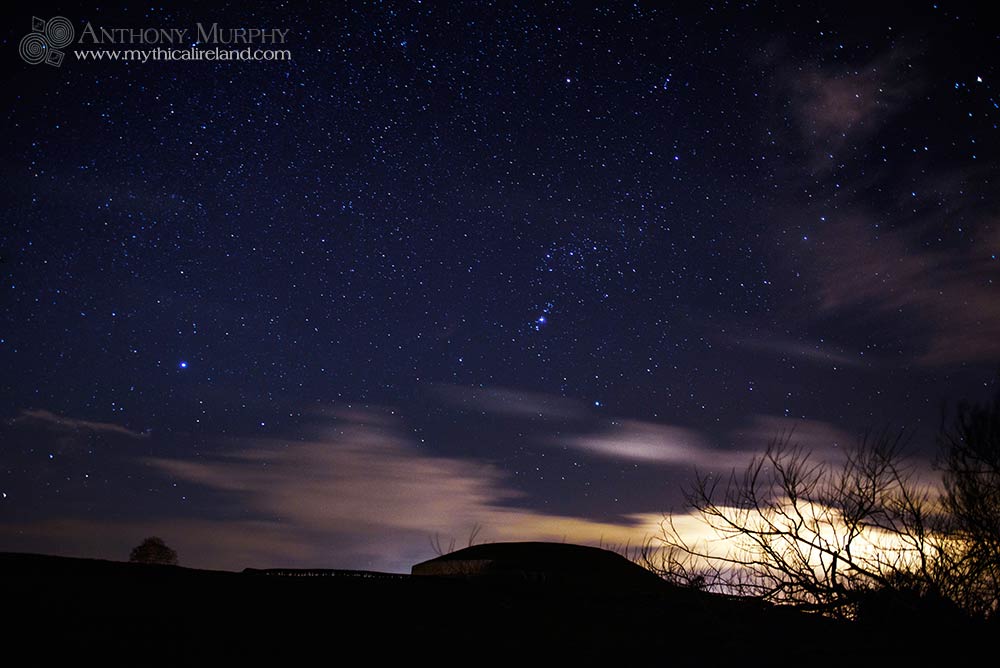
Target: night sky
(524, 266)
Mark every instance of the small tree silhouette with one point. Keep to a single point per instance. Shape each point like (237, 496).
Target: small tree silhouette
(153, 551)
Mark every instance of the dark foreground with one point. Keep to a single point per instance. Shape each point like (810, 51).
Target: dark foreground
(118, 613)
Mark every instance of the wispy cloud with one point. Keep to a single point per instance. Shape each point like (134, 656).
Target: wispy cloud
(362, 476)
(635, 440)
(509, 401)
(63, 423)
(365, 496)
(825, 440)
(359, 493)
(919, 260)
(817, 353)
(950, 295)
(840, 105)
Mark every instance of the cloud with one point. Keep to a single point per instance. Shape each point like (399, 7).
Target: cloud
(918, 262)
(663, 444)
(811, 352)
(635, 440)
(823, 439)
(838, 105)
(62, 423)
(621, 440)
(950, 294)
(505, 401)
(360, 476)
(363, 497)
(361, 494)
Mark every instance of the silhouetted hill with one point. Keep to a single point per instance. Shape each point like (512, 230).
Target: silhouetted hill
(61, 607)
(562, 564)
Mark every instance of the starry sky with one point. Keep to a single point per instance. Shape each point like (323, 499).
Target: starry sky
(519, 266)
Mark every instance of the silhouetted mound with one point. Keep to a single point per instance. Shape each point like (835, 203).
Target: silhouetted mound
(549, 563)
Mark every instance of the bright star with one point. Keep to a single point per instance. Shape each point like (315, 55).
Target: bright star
(183, 365)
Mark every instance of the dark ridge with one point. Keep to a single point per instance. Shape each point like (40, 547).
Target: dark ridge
(60, 608)
(323, 573)
(25, 563)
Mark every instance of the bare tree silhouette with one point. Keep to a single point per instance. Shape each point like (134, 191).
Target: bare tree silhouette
(970, 463)
(790, 529)
(439, 547)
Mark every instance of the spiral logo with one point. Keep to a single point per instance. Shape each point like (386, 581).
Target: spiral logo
(42, 44)
(33, 48)
(59, 32)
